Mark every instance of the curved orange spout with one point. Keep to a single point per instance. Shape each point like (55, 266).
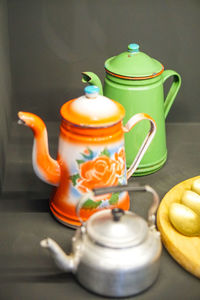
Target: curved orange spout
(44, 166)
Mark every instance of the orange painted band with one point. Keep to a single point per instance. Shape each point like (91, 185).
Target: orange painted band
(91, 135)
(62, 216)
(135, 78)
(91, 131)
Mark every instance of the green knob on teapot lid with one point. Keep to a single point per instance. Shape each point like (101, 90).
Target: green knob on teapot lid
(133, 48)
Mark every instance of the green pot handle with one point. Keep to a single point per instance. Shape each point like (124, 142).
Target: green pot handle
(173, 89)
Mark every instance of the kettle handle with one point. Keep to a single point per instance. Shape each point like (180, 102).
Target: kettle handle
(150, 135)
(134, 188)
(121, 188)
(173, 89)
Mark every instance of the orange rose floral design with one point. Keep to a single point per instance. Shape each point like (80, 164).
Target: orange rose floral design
(100, 171)
(120, 161)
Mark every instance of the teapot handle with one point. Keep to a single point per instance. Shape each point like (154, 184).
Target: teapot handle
(150, 135)
(137, 188)
(173, 89)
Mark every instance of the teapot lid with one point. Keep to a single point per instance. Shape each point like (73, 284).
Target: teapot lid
(116, 228)
(133, 64)
(92, 109)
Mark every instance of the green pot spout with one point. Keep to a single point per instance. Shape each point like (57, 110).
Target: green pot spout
(92, 79)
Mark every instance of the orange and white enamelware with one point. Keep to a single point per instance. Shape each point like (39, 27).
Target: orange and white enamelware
(91, 154)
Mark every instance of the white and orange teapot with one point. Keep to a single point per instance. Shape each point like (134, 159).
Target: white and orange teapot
(90, 154)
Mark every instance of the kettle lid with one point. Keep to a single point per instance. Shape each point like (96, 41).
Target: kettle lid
(116, 228)
(133, 64)
(92, 109)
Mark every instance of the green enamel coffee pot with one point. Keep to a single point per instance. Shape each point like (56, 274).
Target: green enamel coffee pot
(136, 80)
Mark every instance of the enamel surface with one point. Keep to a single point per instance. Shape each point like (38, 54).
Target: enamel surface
(46, 168)
(88, 164)
(97, 108)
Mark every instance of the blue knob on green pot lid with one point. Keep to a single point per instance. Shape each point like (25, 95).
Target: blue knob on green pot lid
(133, 48)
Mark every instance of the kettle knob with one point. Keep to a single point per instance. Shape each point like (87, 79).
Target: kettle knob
(117, 214)
(133, 48)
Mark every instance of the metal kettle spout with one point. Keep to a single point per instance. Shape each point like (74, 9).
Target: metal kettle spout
(63, 261)
(92, 79)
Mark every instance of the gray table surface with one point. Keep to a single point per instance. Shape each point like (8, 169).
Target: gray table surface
(28, 272)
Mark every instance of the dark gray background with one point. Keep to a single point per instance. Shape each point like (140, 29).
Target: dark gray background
(52, 42)
(5, 86)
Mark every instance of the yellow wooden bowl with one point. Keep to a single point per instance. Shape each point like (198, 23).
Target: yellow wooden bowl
(184, 249)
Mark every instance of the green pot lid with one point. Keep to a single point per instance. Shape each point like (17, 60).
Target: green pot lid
(133, 64)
